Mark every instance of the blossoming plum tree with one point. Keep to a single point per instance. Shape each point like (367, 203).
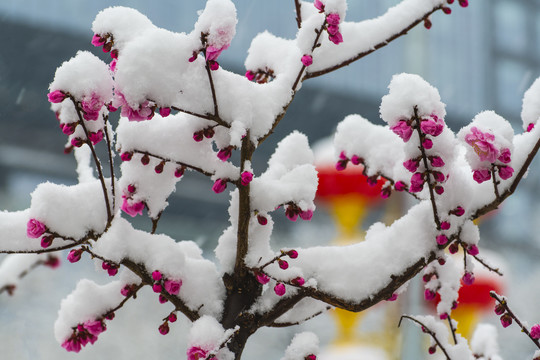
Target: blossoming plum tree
(180, 111)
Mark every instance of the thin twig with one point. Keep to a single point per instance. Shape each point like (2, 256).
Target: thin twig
(504, 303)
(96, 160)
(495, 183)
(287, 324)
(382, 44)
(490, 268)
(111, 164)
(214, 97)
(452, 329)
(428, 331)
(428, 172)
(198, 169)
(298, 7)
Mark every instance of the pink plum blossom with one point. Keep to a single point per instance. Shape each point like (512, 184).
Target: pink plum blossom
(427, 144)
(156, 275)
(56, 96)
(402, 129)
(535, 331)
(250, 75)
(319, 5)
(306, 215)
(436, 161)
(411, 165)
(506, 320)
(262, 278)
(196, 353)
(400, 186)
(433, 126)
(336, 39)
(307, 60)
(482, 144)
(505, 157)
(173, 286)
(91, 105)
(225, 154)
(95, 137)
(445, 225)
(212, 53)
(429, 295)
(279, 289)
(97, 40)
(72, 344)
(442, 239)
(333, 19)
(132, 208)
(94, 327)
(35, 228)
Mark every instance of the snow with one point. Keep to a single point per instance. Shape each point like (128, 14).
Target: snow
(207, 334)
(531, 107)
(302, 345)
(484, 342)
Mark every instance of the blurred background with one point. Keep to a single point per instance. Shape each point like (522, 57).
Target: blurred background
(480, 58)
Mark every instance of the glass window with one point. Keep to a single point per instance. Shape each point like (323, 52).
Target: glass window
(510, 24)
(512, 79)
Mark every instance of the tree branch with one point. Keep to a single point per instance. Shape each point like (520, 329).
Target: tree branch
(428, 331)
(382, 44)
(298, 7)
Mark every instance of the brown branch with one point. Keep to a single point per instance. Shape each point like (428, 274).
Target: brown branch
(495, 182)
(452, 329)
(504, 303)
(495, 203)
(382, 44)
(298, 7)
(490, 268)
(212, 88)
(428, 172)
(96, 160)
(280, 308)
(198, 169)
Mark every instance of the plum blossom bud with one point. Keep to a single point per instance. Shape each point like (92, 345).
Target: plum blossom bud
(165, 111)
(162, 299)
(433, 126)
(427, 144)
(429, 295)
(500, 309)
(250, 75)
(468, 278)
(132, 208)
(386, 192)
(77, 142)
(172, 317)
(279, 289)
(411, 165)
(156, 275)
(246, 177)
(35, 228)
(311, 357)
(47, 241)
(443, 316)
(126, 156)
(225, 154)
(341, 164)
(453, 248)
(530, 127)
(393, 297)
(436, 161)
(157, 288)
(283, 264)
(464, 3)
(442, 239)
(179, 172)
(319, 5)
(506, 320)
(505, 172)
(173, 286)
(164, 328)
(56, 96)
(333, 19)
(74, 255)
(446, 10)
(336, 39)
(438, 176)
(439, 190)
(126, 290)
(112, 271)
(262, 220)
(262, 278)
(52, 261)
(427, 23)
(432, 349)
(402, 129)
(307, 60)
(214, 65)
(417, 182)
(356, 160)
(458, 211)
(198, 136)
(159, 167)
(473, 250)
(298, 281)
(441, 261)
(481, 175)
(219, 186)
(293, 254)
(535, 331)
(445, 225)
(145, 159)
(306, 215)
(95, 137)
(505, 157)
(68, 129)
(209, 132)
(400, 186)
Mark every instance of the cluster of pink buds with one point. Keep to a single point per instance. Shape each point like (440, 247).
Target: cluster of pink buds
(430, 293)
(211, 53)
(344, 160)
(196, 353)
(83, 334)
(332, 24)
(107, 41)
(145, 111)
(261, 76)
(491, 157)
(111, 268)
(164, 327)
(506, 318)
(279, 288)
(129, 206)
(160, 283)
(36, 229)
(145, 160)
(208, 133)
(293, 211)
(128, 290)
